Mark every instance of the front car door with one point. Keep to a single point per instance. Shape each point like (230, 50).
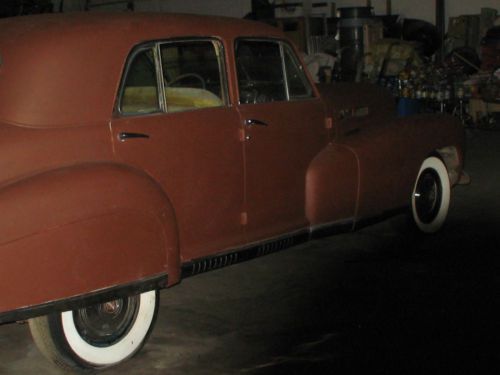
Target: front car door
(174, 123)
(284, 130)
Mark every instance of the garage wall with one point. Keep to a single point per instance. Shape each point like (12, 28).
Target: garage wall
(421, 9)
(230, 8)
(425, 9)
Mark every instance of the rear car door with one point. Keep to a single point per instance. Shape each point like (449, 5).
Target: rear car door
(284, 130)
(174, 123)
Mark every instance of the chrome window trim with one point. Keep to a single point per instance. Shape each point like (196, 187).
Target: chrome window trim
(284, 72)
(159, 78)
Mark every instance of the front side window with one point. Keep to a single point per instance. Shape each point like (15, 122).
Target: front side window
(140, 89)
(192, 75)
(260, 71)
(269, 71)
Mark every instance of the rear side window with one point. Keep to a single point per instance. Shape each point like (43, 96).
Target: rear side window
(140, 91)
(174, 76)
(192, 75)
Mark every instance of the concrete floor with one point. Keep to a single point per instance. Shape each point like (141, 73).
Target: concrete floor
(376, 300)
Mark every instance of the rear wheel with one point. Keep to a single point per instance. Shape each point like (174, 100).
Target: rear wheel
(430, 199)
(97, 336)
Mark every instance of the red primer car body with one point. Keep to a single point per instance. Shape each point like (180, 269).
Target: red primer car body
(98, 200)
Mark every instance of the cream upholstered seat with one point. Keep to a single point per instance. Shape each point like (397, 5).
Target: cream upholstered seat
(144, 99)
(185, 98)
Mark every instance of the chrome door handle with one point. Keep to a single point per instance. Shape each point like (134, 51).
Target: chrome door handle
(124, 136)
(250, 122)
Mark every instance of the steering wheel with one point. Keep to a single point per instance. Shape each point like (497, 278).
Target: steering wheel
(188, 75)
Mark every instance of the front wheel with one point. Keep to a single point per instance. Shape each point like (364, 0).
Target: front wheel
(431, 195)
(97, 336)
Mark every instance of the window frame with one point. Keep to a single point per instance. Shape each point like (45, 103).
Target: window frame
(155, 45)
(282, 44)
(221, 57)
(123, 80)
(286, 47)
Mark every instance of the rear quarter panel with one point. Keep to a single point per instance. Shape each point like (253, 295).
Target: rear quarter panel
(73, 220)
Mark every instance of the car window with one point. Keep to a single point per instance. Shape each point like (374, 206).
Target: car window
(140, 90)
(260, 71)
(298, 85)
(192, 75)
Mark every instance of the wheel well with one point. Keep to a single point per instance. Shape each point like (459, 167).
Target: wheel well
(450, 158)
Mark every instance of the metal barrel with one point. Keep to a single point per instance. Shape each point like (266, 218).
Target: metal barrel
(352, 21)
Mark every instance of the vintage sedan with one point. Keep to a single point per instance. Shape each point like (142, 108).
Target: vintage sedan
(139, 149)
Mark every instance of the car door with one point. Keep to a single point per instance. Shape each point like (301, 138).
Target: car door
(174, 123)
(284, 130)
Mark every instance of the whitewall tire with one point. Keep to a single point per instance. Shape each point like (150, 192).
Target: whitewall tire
(430, 198)
(97, 336)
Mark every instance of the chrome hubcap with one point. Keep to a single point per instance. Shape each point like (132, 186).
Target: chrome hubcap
(428, 195)
(106, 323)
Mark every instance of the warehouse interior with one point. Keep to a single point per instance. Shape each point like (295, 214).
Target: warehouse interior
(434, 56)
(378, 299)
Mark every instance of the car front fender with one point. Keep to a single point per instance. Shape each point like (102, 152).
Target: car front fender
(332, 182)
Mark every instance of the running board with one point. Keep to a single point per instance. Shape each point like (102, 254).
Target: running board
(244, 254)
(255, 250)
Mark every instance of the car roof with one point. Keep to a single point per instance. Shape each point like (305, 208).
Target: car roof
(64, 69)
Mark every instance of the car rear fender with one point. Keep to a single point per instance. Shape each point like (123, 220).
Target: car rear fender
(81, 229)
